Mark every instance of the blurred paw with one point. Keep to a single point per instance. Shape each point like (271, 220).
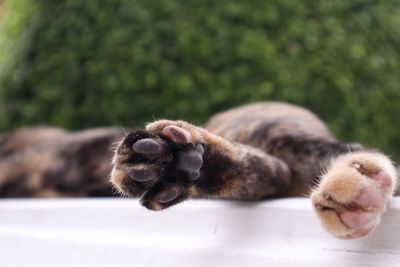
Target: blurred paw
(353, 194)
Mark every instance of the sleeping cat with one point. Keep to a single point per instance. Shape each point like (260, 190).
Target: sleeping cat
(253, 152)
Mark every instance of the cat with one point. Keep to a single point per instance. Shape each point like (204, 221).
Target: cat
(254, 152)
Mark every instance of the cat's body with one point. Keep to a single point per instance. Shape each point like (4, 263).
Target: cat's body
(49, 162)
(254, 152)
(290, 133)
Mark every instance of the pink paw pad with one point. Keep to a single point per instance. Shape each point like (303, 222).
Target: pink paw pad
(383, 178)
(376, 174)
(176, 134)
(362, 216)
(357, 219)
(369, 198)
(360, 233)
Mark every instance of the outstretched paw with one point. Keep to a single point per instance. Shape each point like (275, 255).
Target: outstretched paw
(159, 164)
(353, 194)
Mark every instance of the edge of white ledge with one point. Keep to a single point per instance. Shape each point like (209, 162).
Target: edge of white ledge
(120, 232)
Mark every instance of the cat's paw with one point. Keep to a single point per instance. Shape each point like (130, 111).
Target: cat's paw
(354, 193)
(159, 164)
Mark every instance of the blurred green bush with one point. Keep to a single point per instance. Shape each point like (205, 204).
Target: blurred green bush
(76, 64)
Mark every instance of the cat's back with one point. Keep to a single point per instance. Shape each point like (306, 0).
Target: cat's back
(266, 120)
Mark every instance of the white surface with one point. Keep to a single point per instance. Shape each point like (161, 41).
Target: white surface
(119, 232)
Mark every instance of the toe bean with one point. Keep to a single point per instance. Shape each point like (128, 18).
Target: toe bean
(141, 173)
(190, 161)
(147, 146)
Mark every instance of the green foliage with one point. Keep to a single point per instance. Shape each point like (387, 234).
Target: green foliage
(75, 63)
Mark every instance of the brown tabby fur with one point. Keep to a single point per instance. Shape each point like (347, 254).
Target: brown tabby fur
(252, 152)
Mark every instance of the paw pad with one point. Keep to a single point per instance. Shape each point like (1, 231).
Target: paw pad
(190, 162)
(168, 195)
(176, 134)
(141, 173)
(147, 146)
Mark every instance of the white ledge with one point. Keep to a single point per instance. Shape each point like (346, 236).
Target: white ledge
(119, 232)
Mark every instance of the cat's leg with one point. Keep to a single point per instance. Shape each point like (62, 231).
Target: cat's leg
(355, 185)
(174, 160)
(353, 193)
